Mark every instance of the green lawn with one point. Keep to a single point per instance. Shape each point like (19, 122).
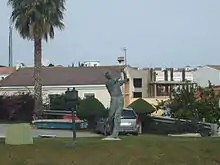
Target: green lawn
(141, 150)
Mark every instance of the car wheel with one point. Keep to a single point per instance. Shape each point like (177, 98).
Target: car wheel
(204, 133)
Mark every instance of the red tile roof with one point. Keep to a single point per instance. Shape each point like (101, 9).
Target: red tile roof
(6, 70)
(62, 76)
(217, 67)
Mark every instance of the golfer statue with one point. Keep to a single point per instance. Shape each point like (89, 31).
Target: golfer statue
(113, 86)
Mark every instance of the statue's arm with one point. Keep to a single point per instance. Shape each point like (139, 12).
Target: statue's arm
(121, 82)
(107, 88)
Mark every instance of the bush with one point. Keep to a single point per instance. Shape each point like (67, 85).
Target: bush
(194, 103)
(142, 107)
(59, 102)
(91, 109)
(17, 108)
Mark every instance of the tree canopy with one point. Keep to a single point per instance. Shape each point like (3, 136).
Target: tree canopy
(194, 104)
(37, 18)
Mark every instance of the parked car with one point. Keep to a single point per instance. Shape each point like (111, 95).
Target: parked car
(129, 123)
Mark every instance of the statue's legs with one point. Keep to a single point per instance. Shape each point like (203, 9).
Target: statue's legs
(116, 107)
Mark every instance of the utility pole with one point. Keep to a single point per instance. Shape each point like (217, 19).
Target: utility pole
(125, 55)
(127, 84)
(10, 56)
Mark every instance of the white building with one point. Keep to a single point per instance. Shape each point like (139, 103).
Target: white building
(88, 81)
(177, 74)
(207, 73)
(91, 63)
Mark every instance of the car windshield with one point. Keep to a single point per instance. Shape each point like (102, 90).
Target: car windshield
(128, 114)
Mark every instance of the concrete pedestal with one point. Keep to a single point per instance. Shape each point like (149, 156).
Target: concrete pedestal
(214, 128)
(111, 138)
(18, 134)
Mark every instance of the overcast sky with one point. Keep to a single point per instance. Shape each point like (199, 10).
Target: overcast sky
(168, 33)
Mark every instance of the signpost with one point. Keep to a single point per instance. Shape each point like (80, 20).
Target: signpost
(74, 125)
(71, 103)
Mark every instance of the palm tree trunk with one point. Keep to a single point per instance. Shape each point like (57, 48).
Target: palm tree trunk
(37, 77)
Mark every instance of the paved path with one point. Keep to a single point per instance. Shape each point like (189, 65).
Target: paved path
(57, 133)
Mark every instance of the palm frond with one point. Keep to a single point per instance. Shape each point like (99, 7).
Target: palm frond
(37, 18)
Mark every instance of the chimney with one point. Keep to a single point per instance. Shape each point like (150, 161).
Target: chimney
(121, 60)
(19, 65)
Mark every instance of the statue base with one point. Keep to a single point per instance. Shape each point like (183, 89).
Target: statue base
(18, 134)
(111, 138)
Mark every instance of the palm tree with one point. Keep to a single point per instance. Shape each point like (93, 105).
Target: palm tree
(36, 20)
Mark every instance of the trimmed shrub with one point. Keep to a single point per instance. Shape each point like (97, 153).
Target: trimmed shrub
(59, 102)
(142, 107)
(91, 109)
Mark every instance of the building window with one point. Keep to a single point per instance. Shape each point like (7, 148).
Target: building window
(137, 94)
(137, 82)
(86, 95)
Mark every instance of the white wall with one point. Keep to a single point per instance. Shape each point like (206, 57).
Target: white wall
(100, 91)
(177, 75)
(133, 73)
(189, 75)
(204, 74)
(159, 75)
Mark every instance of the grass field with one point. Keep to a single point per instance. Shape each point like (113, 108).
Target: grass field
(141, 150)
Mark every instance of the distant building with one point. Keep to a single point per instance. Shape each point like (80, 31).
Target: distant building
(91, 63)
(138, 84)
(164, 80)
(174, 74)
(89, 81)
(207, 73)
(157, 82)
(88, 78)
